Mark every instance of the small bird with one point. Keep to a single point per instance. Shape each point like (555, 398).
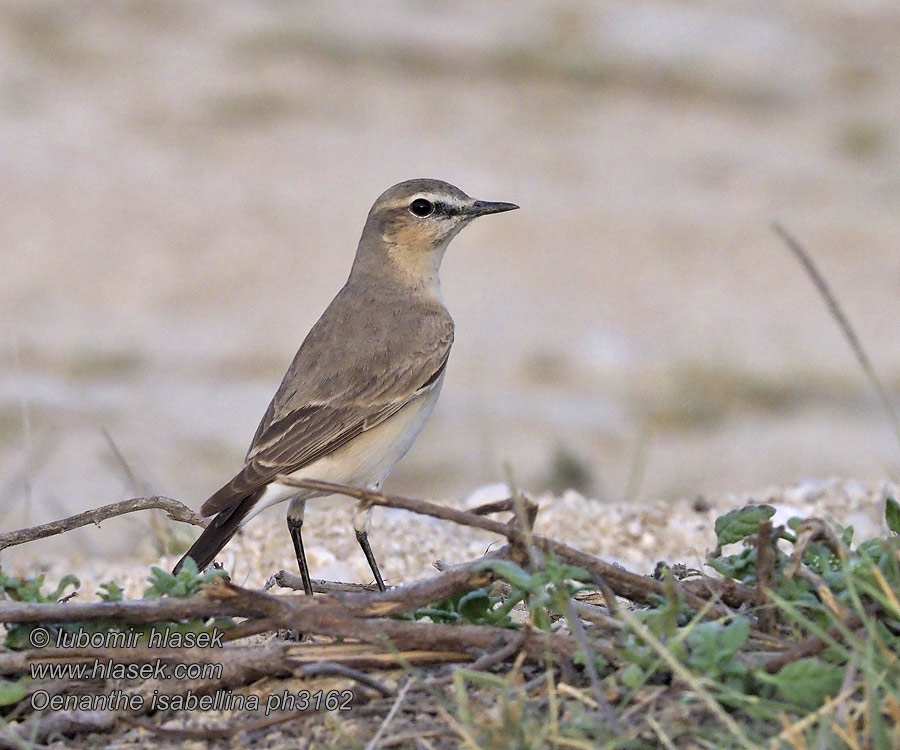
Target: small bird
(366, 377)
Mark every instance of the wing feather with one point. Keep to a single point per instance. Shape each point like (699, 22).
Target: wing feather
(303, 424)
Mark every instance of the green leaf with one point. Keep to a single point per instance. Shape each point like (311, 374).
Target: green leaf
(29, 589)
(741, 567)
(510, 572)
(215, 573)
(741, 523)
(818, 558)
(713, 647)
(111, 592)
(475, 605)
(179, 589)
(541, 619)
(735, 634)
(436, 614)
(11, 692)
(632, 676)
(808, 682)
(847, 536)
(185, 583)
(564, 572)
(161, 582)
(892, 514)
(189, 568)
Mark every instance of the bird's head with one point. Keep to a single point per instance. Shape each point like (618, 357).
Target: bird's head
(415, 220)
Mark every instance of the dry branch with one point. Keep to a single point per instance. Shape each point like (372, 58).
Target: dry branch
(453, 580)
(357, 616)
(241, 664)
(816, 644)
(730, 592)
(175, 510)
(397, 600)
(287, 580)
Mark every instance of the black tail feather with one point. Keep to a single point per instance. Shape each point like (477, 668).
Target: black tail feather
(220, 530)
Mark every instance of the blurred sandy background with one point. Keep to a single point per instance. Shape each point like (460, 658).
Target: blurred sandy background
(183, 186)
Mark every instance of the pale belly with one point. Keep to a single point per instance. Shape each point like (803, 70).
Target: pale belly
(366, 460)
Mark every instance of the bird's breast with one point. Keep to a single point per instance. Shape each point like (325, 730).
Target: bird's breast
(367, 460)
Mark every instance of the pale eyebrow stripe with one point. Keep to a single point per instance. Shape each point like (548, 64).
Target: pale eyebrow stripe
(450, 201)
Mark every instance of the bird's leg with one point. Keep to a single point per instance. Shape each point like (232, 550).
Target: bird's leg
(295, 523)
(362, 519)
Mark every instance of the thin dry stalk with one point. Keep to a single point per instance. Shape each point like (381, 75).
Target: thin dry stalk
(175, 510)
(765, 574)
(843, 323)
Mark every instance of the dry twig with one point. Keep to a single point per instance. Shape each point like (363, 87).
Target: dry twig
(765, 573)
(175, 510)
(286, 580)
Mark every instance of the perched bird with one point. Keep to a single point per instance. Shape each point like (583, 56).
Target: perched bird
(365, 378)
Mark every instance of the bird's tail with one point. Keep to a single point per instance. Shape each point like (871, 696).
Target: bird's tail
(220, 530)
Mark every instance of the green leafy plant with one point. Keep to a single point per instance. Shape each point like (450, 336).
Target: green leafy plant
(477, 607)
(545, 592)
(741, 523)
(820, 587)
(186, 582)
(32, 589)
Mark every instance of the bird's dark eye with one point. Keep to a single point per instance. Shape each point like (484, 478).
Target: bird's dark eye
(421, 207)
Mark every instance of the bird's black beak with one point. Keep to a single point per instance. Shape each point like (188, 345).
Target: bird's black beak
(483, 208)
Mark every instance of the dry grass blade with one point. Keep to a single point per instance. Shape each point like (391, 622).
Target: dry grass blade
(843, 322)
(373, 743)
(796, 729)
(577, 628)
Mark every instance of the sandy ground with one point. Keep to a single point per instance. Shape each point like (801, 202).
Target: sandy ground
(183, 186)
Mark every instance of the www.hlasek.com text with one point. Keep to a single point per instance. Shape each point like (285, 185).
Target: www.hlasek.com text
(114, 670)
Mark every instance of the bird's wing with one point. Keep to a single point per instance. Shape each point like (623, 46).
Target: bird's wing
(296, 437)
